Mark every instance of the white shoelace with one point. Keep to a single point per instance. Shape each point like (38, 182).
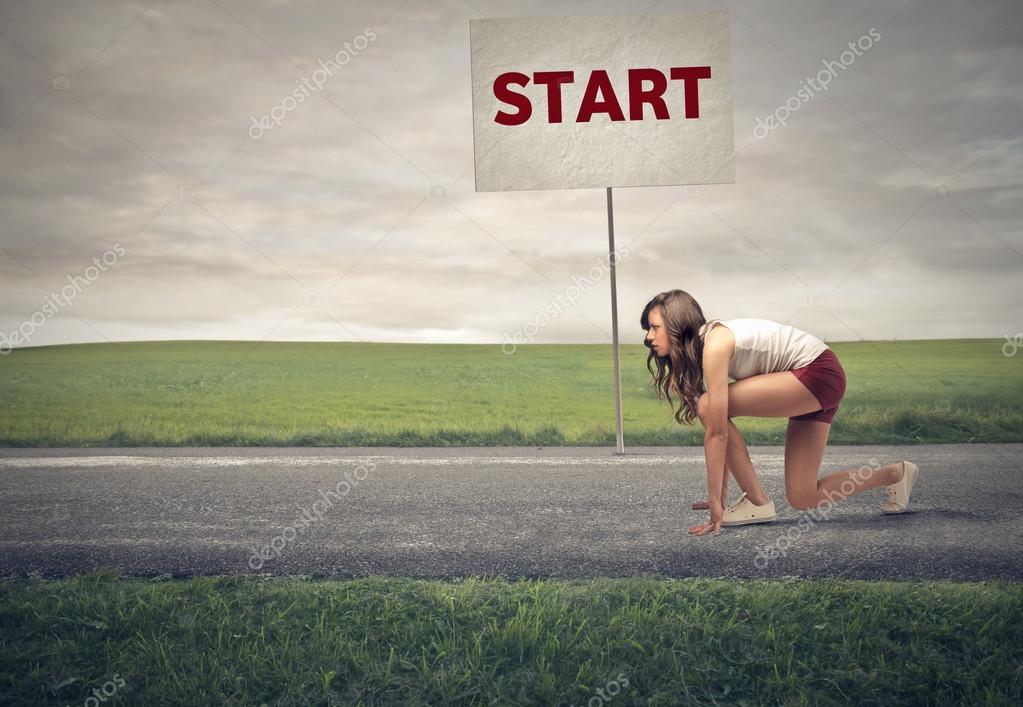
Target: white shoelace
(737, 503)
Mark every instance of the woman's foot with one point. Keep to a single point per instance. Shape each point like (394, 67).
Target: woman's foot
(897, 493)
(744, 512)
(894, 472)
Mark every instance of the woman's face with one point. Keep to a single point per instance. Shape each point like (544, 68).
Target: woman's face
(657, 334)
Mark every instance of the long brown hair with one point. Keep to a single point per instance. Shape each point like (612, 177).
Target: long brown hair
(684, 363)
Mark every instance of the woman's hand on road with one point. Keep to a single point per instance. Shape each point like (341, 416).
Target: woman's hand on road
(713, 527)
(717, 511)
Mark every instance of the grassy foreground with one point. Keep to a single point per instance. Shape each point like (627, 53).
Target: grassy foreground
(184, 393)
(382, 641)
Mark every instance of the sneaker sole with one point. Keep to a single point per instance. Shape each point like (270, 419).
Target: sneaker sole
(750, 521)
(913, 470)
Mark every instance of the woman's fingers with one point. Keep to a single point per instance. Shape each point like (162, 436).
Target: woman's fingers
(706, 528)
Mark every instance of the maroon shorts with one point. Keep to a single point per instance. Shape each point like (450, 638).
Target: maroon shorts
(825, 378)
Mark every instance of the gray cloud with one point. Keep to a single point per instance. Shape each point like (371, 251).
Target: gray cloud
(924, 126)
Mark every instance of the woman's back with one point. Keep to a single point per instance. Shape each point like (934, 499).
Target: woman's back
(765, 346)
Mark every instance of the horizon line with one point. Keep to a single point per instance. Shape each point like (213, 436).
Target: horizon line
(426, 343)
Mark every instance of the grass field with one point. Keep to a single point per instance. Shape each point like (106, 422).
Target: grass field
(376, 641)
(384, 641)
(184, 393)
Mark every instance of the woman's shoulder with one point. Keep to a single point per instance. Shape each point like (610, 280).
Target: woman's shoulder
(718, 324)
(718, 330)
(712, 324)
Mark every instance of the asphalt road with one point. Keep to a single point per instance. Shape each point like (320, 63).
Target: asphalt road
(509, 512)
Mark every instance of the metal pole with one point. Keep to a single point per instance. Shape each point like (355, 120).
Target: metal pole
(614, 323)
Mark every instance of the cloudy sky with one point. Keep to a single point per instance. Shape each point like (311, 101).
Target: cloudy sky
(889, 206)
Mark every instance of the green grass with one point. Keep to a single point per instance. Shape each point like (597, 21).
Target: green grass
(380, 641)
(183, 393)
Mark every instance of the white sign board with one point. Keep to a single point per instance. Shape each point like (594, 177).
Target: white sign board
(573, 102)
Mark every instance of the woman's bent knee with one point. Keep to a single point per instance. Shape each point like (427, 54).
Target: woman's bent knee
(701, 409)
(804, 499)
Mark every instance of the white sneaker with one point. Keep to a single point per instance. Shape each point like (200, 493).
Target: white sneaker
(897, 495)
(744, 511)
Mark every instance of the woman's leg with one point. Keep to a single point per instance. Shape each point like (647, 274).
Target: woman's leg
(739, 464)
(782, 395)
(768, 395)
(805, 441)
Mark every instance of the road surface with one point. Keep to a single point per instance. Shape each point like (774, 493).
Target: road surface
(506, 511)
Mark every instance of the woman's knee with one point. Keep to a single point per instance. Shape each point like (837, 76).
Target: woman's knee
(803, 498)
(701, 409)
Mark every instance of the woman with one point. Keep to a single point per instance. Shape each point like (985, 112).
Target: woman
(779, 371)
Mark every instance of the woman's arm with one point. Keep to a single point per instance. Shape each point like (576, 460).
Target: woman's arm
(716, 355)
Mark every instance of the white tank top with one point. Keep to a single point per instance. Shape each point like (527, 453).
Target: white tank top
(764, 346)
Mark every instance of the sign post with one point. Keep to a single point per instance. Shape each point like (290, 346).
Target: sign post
(588, 102)
(619, 433)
